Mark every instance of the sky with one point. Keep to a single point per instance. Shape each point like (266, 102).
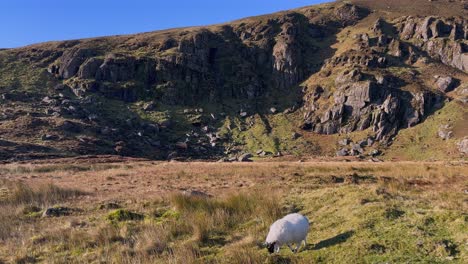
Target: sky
(24, 22)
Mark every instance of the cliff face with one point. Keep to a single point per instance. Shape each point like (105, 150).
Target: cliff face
(245, 60)
(202, 92)
(367, 94)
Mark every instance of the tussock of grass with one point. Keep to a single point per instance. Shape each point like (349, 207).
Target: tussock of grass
(20, 200)
(47, 194)
(120, 215)
(212, 218)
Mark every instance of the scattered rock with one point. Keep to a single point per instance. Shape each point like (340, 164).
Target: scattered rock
(182, 145)
(342, 152)
(56, 211)
(93, 117)
(344, 142)
(243, 114)
(273, 110)
(445, 84)
(445, 132)
(48, 100)
(48, 137)
(295, 135)
(463, 146)
(357, 149)
(374, 152)
(245, 157)
(149, 106)
(172, 155)
(363, 143)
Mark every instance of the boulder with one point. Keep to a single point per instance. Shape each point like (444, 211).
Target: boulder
(48, 100)
(49, 137)
(344, 142)
(89, 68)
(349, 14)
(245, 157)
(362, 143)
(445, 84)
(70, 62)
(295, 135)
(463, 146)
(445, 132)
(342, 152)
(56, 211)
(150, 106)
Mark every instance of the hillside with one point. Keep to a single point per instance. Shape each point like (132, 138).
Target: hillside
(349, 78)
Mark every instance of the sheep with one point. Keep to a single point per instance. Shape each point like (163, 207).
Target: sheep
(292, 228)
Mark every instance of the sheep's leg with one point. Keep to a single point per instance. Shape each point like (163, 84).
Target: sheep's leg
(298, 245)
(277, 248)
(290, 247)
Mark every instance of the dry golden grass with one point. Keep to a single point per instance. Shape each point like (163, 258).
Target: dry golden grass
(338, 197)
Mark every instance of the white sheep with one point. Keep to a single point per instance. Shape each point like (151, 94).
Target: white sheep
(292, 228)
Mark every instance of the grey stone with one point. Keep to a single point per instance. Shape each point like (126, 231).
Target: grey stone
(463, 146)
(245, 157)
(344, 142)
(342, 152)
(48, 137)
(150, 106)
(295, 135)
(445, 132)
(56, 212)
(445, 84)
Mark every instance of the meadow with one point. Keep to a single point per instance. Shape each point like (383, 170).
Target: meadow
(138, 212)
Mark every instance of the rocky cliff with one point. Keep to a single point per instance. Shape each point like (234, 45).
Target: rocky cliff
(275, 83)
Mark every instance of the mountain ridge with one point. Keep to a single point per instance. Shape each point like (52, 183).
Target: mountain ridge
(293, 82)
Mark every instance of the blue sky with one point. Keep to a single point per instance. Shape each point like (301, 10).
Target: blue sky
(24, 22)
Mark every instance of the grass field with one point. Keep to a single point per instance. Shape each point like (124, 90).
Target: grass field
(135, 212)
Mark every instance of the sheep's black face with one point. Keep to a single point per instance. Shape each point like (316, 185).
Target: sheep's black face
(271, 247)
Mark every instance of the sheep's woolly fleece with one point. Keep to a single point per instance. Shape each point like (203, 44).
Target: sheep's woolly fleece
(291, 229)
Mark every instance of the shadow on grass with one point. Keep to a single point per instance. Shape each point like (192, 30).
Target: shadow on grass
(338, 239)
